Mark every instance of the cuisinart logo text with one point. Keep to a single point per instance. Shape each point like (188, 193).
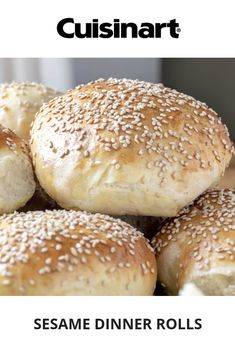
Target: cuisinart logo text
(68, 28)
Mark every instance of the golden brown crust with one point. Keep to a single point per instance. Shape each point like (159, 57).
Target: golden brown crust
(199, 245)
(9, 140)
(73, 253)
(149, 148)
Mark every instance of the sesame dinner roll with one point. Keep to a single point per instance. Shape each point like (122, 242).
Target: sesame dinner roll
(19, 102)
(16, 173)
(198, 247)
(128, 147)
(73, 253)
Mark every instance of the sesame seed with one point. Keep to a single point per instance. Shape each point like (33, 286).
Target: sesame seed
(208, 225)
(62, 240)
(141, 116)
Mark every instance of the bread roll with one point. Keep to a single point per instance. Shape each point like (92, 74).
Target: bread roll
(16, 174)
(19, 102)
(198, 247)
(125, 147)
(73, 253)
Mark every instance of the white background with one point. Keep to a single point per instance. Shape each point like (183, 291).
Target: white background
(28, 29)
(18, 314)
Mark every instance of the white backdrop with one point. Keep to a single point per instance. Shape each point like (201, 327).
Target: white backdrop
(64, 73)
(207, 31)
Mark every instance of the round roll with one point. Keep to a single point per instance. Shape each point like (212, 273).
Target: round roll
(73, 253)
(19, 102)
(17, 183)
(125, 147)
(198, 247)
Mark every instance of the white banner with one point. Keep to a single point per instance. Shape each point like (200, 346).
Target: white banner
(29, 28)
(104, 324)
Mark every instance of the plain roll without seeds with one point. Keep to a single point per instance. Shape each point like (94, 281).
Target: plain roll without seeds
(17, 183)
(128, 147)
(73, 253)
(19, 102)
(198, 247)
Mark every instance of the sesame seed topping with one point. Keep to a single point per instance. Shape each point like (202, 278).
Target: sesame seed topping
(28, 97)
(206, 229)
(59, 240)
(130, 114)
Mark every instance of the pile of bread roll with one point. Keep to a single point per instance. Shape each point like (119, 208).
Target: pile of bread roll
(110, 188)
